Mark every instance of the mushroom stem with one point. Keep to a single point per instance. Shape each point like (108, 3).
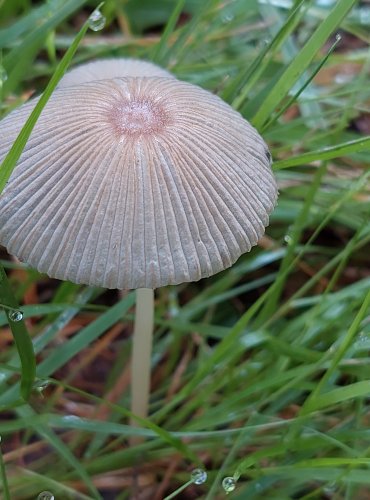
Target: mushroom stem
(141, 351)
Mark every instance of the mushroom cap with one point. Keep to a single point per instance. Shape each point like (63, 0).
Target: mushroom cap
(135, 182)
(105, 69)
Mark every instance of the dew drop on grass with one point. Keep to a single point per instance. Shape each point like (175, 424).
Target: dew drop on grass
(45, 495)
(16, 316)
(363, 342)
(41, 385)
(258, 487)
(229, 484)
(74, 419)
(330, 489)
(364, 16)
(199, 476)
(96, 20)
(325, 3)
(227, 18)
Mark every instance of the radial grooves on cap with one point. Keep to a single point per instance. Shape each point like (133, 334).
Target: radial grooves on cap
(60, 185)
(233, 179)
(90, 218)
(182, 245)
(163, 250)
(99, 199)
(198, 223)
(215, 185)
(219, 184)
(206, 216)
(104, 69)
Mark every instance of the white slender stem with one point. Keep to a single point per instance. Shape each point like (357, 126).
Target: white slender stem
(141, 351)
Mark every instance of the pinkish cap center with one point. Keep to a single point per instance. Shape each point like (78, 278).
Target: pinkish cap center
(134, 118)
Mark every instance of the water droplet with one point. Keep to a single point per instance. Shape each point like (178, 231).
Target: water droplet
(325, 3)
(364, 16)
(229, 484)
(41, 385)
(71, 418)
(338, 37)
(343, 78)
(16, 316)
(363, 342)
(96, 20)
(198, 476)
(45, 495)
(258, 487)
(227, 18)
(330, 489)
(288, 239)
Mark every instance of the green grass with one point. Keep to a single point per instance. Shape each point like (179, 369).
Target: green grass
(261, 372)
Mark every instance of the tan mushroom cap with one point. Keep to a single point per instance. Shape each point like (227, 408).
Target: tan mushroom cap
(105, 69)
(135, 182)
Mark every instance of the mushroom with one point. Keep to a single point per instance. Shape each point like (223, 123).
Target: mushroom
(135, 183)
(104, 69)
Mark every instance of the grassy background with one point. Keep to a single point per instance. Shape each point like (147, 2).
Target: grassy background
(261, 372)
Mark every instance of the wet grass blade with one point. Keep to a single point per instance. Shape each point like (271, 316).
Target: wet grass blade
(314, 400)
(158, 55)
(55, 442)
(300, 63)
(346, 148)
(245, 82)
(21, 336)
(20, 57)
(293, 99)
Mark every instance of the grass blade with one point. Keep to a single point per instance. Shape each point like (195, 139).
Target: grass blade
(158, 55)
(20, 57)
(260, 64)
(346, 148)
(311, 402)
(297, 67)
(21, 336)
(28, 413)
(306, 84)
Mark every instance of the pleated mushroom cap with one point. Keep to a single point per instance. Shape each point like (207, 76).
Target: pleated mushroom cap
(105, 69)
(135, 182)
